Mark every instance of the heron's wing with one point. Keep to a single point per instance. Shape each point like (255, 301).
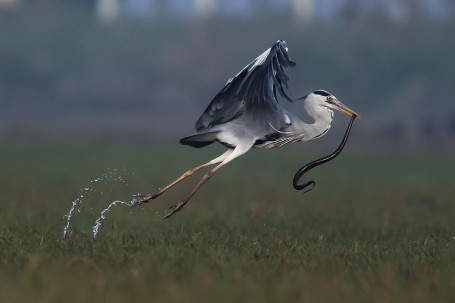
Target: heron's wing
(253, 90)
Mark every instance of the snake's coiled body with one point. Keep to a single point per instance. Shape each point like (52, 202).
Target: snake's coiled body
(299, 174)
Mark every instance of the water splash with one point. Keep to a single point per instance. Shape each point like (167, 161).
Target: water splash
(108, 176)
(74, 204)
(98, 222)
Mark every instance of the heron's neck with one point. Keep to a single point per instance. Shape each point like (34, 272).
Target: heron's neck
(322, 122)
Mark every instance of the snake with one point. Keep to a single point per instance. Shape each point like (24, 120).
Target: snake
(304, 169)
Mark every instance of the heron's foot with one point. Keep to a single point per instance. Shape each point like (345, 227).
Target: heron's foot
(140, 199)
(175, 208)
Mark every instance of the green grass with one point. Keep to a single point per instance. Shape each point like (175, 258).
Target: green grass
(378, 227)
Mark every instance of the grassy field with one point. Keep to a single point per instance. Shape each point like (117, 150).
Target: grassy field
(378, 227)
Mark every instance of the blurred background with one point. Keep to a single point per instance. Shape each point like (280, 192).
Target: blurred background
(146, 69)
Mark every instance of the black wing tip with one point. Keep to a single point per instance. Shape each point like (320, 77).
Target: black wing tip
(279, 46)
(282, 46)
(281, 43)
(282, 57)
(200, 139)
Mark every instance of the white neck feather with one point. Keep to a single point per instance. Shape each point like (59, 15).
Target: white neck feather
(322, 117)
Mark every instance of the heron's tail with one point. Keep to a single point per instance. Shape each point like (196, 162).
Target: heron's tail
(200, 139)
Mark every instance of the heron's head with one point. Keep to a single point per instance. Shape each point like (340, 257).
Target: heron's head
(323, 99)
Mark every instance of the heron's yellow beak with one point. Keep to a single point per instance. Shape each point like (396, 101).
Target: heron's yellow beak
(338, 105)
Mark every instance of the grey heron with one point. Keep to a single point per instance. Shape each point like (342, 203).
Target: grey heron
(247, 113)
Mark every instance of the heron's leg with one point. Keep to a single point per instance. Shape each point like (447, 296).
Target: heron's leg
(149, 197)
(238, 151)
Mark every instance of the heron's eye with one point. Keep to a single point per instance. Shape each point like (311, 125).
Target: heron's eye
(329, 100)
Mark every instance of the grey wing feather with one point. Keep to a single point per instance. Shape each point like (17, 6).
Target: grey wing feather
(253, 89)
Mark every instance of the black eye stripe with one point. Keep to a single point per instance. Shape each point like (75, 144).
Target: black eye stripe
(322, 93)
